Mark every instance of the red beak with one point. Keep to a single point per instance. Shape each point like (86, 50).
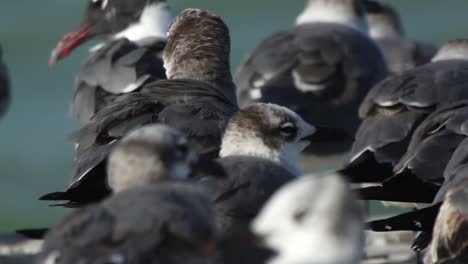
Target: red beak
(68, 43)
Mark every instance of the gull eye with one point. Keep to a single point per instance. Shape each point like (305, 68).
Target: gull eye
(288, 130)
(299, 215)
(102, 4)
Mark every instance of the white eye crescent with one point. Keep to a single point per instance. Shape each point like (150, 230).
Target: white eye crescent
(288, 129)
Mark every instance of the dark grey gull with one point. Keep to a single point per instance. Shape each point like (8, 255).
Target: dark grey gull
(315, 219)
(422, 166)
(134, 34)
(437, 155)
(4, 86)
(165, 223)
(396, 106)
(435, 141)
(199, 98)
(150, 154)
(322, 68)
(148, 172)
(386, 28)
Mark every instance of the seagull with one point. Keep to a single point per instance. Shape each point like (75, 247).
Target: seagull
(439, 143)
(152, 154)
(396, 106)
(321, 68)
(434, 142)
(449, 238)
(4, 86)
(147, 169)
(175, 224)
(422, 166)
(259, 153)
(198, 98)
(314, 219)
(134, 34)
(386, 28)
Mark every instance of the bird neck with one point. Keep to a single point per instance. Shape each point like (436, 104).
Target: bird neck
(382, 28)
(154, 22)
(317, 12)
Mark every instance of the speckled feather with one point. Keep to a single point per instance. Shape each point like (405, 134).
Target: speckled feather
(449, 242)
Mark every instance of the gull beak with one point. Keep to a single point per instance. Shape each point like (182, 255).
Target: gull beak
(69, 43)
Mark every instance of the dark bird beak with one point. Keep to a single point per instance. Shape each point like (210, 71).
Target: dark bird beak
(327, 134)
(206, 167)
(69, 43)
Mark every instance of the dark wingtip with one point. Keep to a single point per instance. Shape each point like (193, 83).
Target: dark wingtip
(422, 241)
(367, 170)
(56, 196)
(33, 233)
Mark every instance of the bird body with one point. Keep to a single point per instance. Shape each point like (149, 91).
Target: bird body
(326, 63)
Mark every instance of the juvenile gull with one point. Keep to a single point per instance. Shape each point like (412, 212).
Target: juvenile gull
(450, 242)
(314, 219)
(434, 142)
(386, 28)
(198, 99)
(166, 223)
(146, 172)
(4, 86)
(134, 34)
(396, 106)
(259, 152)
(321, 68)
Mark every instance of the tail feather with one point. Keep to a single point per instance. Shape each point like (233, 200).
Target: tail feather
(404, 188)
(367, 170)
(33, 233)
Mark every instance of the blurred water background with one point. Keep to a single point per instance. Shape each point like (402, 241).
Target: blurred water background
(34, 156)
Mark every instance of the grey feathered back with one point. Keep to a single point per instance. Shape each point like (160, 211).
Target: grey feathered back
(152, 224)
(116, 68)
(346, 62)
(434, 142)
(194, 107)
(403, 54)
(395, 107)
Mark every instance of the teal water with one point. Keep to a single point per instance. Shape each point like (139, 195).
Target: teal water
(34, 155)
